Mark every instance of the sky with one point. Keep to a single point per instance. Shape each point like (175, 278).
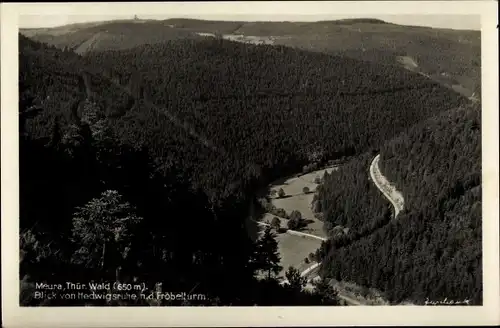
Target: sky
(444, 14)
(467, 22)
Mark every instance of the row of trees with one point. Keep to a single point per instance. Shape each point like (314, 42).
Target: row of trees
(433, 250)
(294, 222)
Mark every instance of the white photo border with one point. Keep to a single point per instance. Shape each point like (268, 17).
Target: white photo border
(16, 316)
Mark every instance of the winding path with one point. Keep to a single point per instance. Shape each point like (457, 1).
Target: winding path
(390, 192)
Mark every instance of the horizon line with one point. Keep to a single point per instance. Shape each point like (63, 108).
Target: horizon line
(235, 19)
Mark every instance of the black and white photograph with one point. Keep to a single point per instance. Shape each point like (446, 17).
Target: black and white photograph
(169, 158)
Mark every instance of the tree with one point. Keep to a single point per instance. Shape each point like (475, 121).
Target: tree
(280, 212)
(311, 257)
(267, 255)
(276, 223)
(27, 107)
(295, 220)
(56, 135)
(295, 215)
(102, 230)
(317, 179)
(281, 193)
(292, 224)
(305, 190)
(295, 280)
(325, 175)
(76, 138)
(102, 132)
(272, 193)
(34, 256)
(306, 260)
(365, 291)
(326, 292)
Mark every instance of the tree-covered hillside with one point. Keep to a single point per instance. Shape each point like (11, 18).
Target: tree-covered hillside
(171, 141)
(94, 209)
(349, 200)
(432, 251)
(269, 107)
(451, 57)
(249, 111)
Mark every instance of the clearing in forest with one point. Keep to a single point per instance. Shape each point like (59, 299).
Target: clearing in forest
(294, 249)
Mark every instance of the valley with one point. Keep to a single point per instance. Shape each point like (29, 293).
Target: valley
(138, 133)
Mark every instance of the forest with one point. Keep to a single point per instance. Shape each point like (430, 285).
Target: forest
(254, 113)
(433, 249)
(170, 141)
(96, 209)
(77, 220)
(449, 57)
(349, 200)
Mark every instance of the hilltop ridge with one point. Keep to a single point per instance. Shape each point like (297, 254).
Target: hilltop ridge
(449, 57)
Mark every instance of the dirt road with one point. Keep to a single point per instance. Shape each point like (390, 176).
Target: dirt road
(385, 187)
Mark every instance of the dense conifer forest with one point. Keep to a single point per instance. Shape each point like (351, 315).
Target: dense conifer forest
(159, 227)
(433, 249)
(450, 57)
(170, 141)
(252, 111)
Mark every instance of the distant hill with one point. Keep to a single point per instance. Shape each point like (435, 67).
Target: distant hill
(450, 57)
(114, 35)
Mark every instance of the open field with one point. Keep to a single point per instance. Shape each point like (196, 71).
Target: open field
(295, 248)
(295, 199)
(252, 39)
